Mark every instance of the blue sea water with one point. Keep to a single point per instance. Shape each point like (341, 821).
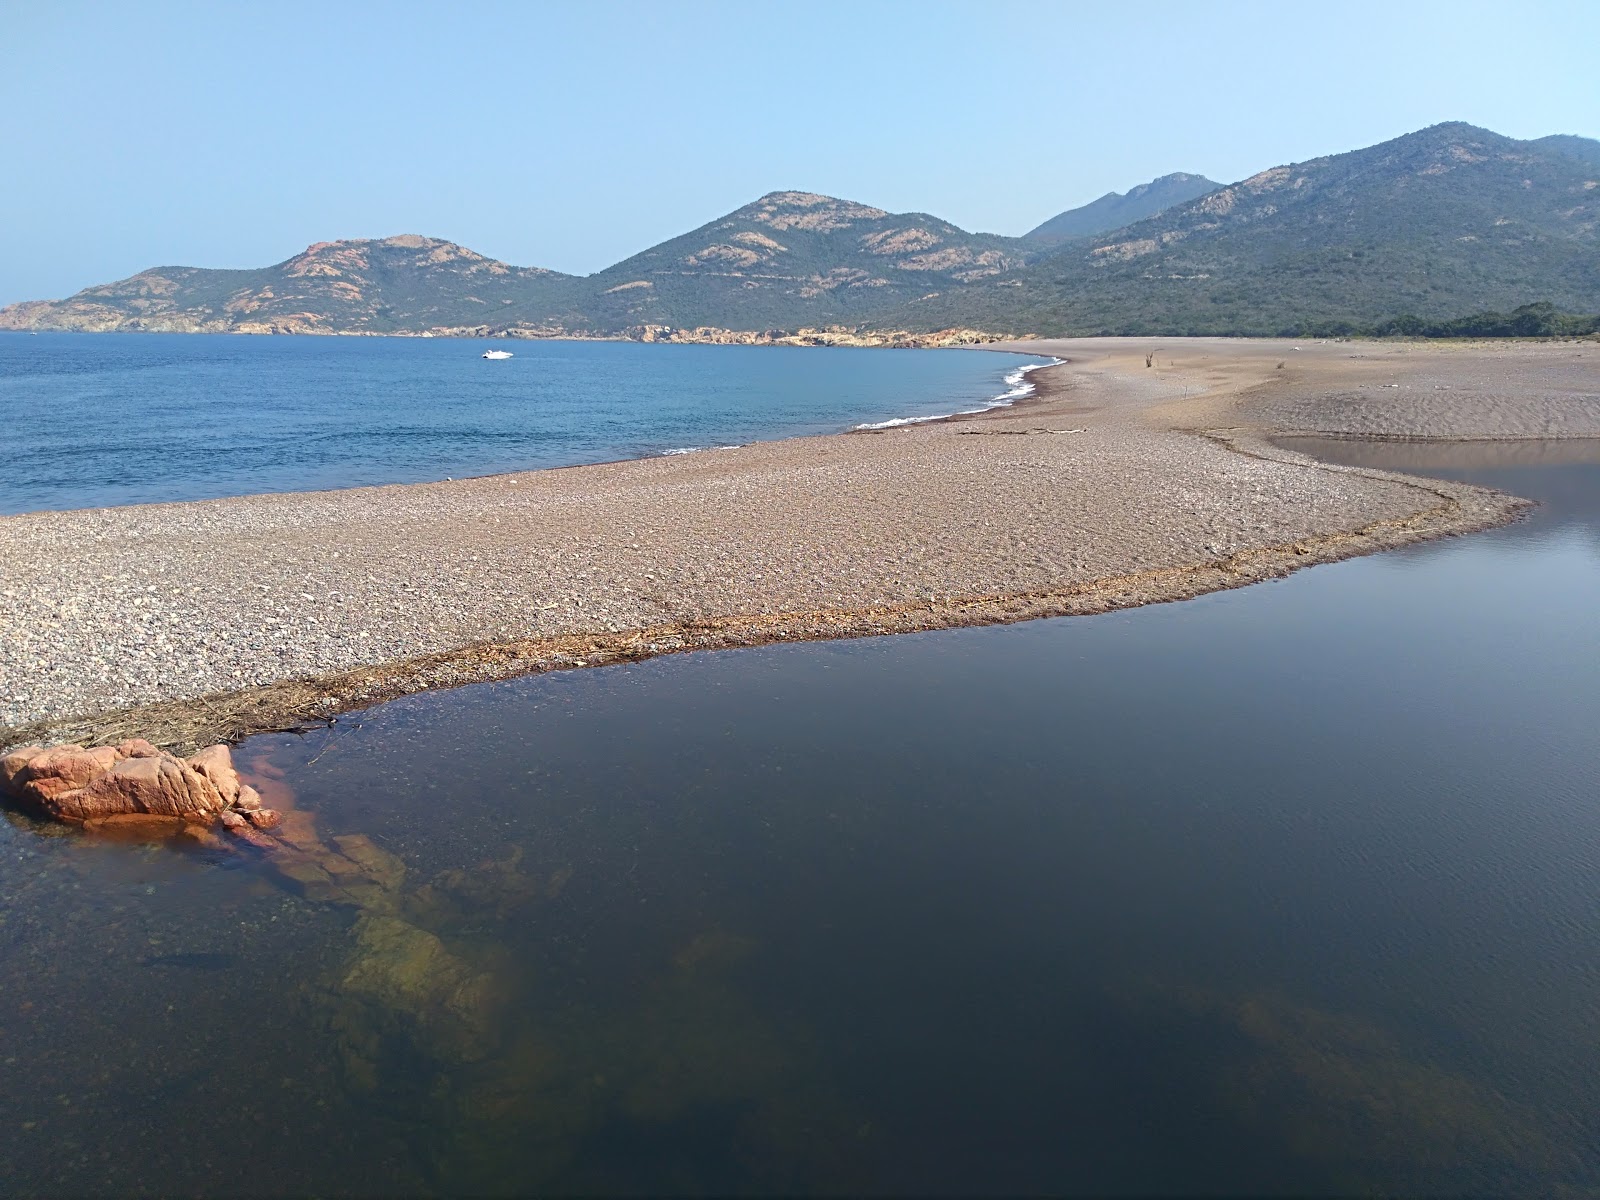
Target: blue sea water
(126, 419)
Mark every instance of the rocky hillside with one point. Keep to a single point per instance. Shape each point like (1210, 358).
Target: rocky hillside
(788, 261)
(1116, 209)
(1440, 223)
(396, 284)
(795, 258)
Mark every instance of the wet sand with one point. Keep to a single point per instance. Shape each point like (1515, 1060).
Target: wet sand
(1119, 484)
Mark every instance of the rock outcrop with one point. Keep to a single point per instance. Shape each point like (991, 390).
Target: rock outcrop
(132, 786)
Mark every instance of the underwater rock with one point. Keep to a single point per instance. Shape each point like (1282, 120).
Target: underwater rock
(496, 887)
(383, 868)
(250, 837)
(263, 818)
(136, 827)
(298, 828)
(406, 975)
(203, 838)
(302, 875)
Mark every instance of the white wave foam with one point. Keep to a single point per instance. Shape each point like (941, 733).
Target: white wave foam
(696, 449)
(899, 421)
(1020, 387)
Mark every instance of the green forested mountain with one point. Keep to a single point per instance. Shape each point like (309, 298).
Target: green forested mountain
(1587, 149)
(1116, 209)
(1440, 223)
(1436, 225)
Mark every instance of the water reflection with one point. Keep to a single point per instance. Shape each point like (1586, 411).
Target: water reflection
(1287, 889)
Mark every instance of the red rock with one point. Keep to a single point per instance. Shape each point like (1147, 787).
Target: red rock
(138, 748)
(299, 829)
(263, 818)
(259, 840)
(60, 769)
(248, 800)
(216, 764)
(11, 765)
(232, 820)
(139, 827)
(163, 785)
(204, 839)
(274, 792)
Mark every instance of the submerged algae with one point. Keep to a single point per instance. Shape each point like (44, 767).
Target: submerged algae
(500, 1083)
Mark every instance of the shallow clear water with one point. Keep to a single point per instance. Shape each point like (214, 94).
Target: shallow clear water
(1292, 888)
(126, 419)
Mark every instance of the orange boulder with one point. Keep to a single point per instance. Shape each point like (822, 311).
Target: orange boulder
(164, 785)
(216, 764)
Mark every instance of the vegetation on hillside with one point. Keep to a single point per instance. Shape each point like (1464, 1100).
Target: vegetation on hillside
(1440, 223)
(1116, 209)
(1541, 320)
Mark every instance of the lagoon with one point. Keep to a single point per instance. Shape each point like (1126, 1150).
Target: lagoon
(1292, 888)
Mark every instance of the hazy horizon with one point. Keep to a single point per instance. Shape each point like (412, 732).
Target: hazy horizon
(219, 137)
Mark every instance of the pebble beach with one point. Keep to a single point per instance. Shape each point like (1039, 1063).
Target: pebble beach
(1117, 483)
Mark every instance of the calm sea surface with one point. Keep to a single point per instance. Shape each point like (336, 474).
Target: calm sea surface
(1292, 889)
(126, 419)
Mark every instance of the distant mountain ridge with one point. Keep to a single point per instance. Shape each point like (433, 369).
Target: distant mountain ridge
(1441, 223)
(1587, 149)
(1437, 224)
(789, 259)
(1116, 209)
(354, 286)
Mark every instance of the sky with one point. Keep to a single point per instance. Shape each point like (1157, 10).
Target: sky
(570, 136)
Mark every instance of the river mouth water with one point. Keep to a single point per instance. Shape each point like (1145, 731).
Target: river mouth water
(1294, 888)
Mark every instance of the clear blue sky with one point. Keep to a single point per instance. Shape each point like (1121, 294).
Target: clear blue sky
(569, 136)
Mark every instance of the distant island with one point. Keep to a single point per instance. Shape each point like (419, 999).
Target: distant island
(1450, 229)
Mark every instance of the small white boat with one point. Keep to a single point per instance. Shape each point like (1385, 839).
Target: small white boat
(497, 354)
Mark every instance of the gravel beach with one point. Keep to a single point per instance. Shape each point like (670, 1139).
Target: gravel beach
(1118, 484)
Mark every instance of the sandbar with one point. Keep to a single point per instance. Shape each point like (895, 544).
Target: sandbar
(1142, 470)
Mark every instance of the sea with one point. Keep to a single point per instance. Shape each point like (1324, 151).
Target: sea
(139, 418)
(1291, 889)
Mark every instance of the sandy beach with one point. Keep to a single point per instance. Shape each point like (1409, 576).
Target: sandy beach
(1117, 484)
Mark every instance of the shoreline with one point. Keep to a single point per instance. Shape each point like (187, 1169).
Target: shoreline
(1303, 512)
(1006, 399)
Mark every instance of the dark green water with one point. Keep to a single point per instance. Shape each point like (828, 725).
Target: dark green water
(1295, 888)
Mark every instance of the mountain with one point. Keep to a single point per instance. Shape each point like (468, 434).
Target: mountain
(789, 260)
(796, 259)
(1433, 226)
(1587, 149)
(1440, 223)
(1116, 209)
(395, 284)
